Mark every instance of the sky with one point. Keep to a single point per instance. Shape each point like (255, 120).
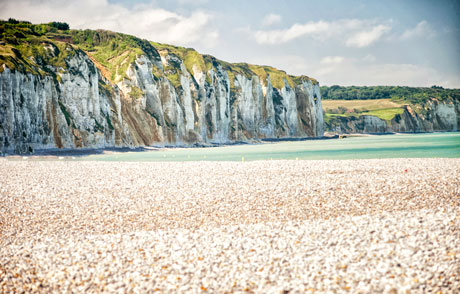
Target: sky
(362, 43)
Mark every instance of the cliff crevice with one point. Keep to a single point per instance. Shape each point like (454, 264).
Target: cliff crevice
(95, 89)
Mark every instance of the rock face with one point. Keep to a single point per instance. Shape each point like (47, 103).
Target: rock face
(431, 117)
(161, 99)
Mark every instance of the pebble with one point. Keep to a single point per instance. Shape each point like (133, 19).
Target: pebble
(359, 226)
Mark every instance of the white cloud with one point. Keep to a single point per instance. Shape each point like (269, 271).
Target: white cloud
(294, 32)
(332, 60)
(292, 64)
(369, 58)
(354, 32)
(365, 38)
(347, 71)
(145, 20)
(270, 19)
(192, 2)
(422, 29)
(353, 71)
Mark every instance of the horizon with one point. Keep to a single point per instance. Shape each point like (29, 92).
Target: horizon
(358, 49)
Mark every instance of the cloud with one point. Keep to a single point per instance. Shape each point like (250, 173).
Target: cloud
(192, 2)
(369, 58)
(270, 19)
(353, 32)
(365, 38)
(359, 71)
(422, 29)
(332, 60)
(294, 32)
(144, 20)
(292, 64)
(353, 71)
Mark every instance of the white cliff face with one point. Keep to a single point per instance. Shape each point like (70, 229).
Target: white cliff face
(435, 116)
(79, 108)
(445, 116)
(39, 112)
(373, 124)
(318, 110)
(291, 109)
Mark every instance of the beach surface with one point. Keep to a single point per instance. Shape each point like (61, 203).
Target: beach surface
(281, 226)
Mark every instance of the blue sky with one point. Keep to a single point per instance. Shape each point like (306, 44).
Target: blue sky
(414, 43)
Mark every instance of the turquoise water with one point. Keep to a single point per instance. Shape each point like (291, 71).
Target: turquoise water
(384, 146)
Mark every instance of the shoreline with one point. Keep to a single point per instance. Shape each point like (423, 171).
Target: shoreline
(81, 152)
(68, 153)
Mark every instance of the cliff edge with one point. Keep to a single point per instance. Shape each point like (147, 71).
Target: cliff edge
(62, 88)
(431, 116)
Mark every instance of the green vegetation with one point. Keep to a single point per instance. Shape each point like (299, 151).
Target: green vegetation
(188, 55)
(277, 77)
(114, 51)
(232, 69)
(299, 79)
(35, 47)
(329, 117)
(386, 114)
(385, 109)
(67, 116)
(384, 102)
(30, 48)
(174, 78)
(409, 95)
(172, 70)
(98, 127)
(333, 106)
(59, 25)
(136, 92)
(105, 88)
(109, 122)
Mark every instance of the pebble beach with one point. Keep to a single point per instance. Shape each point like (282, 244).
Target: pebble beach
(319, 226)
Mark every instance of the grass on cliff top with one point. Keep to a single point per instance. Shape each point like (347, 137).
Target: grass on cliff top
(384, 114)
(205, 62)
(277, 77)
(172, 70)
(30, 48)
(189, 56)
(384, 109)
(24, 49)
(361, 105)
(115, 51)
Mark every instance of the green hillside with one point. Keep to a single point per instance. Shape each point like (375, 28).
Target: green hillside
(384, 102)
(28, 47)
(408, 95)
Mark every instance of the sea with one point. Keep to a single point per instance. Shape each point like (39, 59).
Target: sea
(420, 145)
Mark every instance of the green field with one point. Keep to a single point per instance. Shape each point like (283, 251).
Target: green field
(362, 105)
(385, 109)
(384, 146)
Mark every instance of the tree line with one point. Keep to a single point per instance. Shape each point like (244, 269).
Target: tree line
(397, 93)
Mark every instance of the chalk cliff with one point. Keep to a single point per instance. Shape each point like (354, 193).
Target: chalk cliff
(432, 116)
(90, 89)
